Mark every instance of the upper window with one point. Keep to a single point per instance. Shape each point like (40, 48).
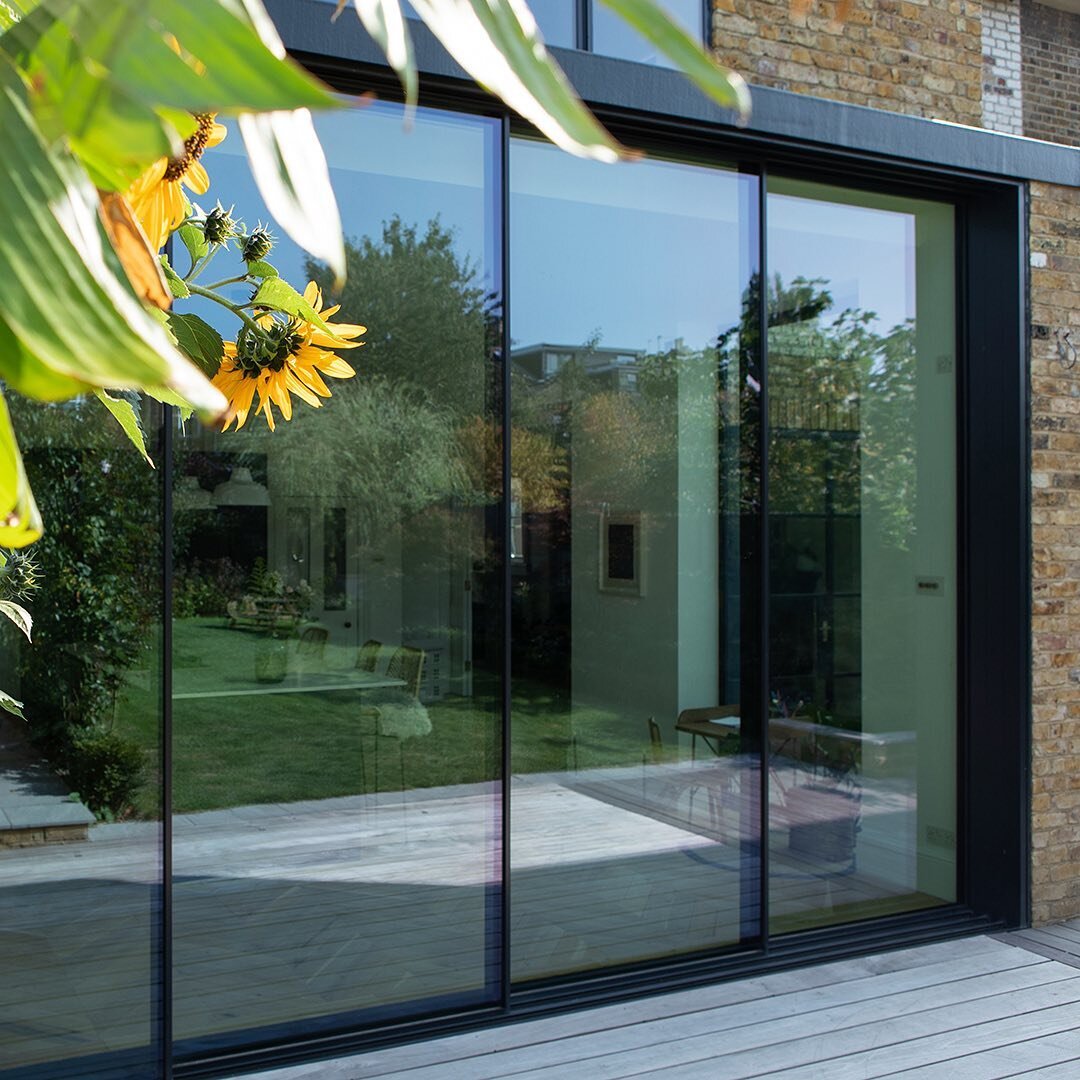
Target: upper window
(589, 24)
(612, 35)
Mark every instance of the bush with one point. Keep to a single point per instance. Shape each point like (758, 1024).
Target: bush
(105, 769)
(205, 587)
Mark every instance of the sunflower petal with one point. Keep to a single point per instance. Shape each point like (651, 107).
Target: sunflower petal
(337, 368)
(197, 178)
(296, 385)
(311, 378)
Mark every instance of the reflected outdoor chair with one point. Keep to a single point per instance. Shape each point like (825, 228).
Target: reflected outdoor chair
(674, 785)
(367, 656)
(396, 713)
(656, 740)
(312, 643)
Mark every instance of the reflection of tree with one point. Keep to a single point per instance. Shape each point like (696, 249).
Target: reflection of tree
(379, 443)
(427, 313)
(843, 416)
(411, 432)
(842, 406)
(538, 464)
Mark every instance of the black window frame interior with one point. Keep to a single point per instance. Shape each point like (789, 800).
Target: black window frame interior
(993, 500)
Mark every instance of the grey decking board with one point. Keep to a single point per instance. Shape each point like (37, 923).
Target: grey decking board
(1053, 940)
(1021, 1022)
(714, 1037)
(863, 978)
(1021, 1059)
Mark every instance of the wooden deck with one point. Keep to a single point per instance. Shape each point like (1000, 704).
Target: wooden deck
(973, 1009)
(289, 915)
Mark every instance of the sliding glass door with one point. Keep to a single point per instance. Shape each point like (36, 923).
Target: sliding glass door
(862, 554)
(634, 815)
(641, 677)
(336, 636)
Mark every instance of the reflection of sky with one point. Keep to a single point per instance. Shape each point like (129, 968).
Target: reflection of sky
(866, 256)
(378, 170)
(613, 35)
(556, 18)
(642, 254)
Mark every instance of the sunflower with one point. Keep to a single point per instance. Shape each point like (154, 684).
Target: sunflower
(157, 196)
(289, 356)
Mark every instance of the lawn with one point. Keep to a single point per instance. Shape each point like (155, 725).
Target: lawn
(236, 751)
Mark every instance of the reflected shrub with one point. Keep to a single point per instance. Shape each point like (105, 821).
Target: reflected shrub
(99, 601)
(206, 586)
(105, 769)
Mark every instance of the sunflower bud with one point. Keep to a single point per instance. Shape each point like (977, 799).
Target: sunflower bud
(19, 576)
(257, 245)
(219, 226)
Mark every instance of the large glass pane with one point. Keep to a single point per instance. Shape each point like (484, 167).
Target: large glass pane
(862, 526)
(337, 704)
(80, 797)
(634, 825)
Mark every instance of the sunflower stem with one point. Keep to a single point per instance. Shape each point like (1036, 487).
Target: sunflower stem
(227, 281)
(249, 322)
(199, 267)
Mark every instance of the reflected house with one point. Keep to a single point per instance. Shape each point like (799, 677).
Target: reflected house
(652, 606)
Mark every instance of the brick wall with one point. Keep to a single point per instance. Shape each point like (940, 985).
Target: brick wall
(1002, 105)
(1055, 477)
(921, 57)
(1051, 63)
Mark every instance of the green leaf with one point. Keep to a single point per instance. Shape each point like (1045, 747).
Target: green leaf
(183, 122)
(177, 285)
(260, 269)
(278, 294)
(20, 522)
(232, 60)
(65, 298)
(725, 87)
(290, 170)
(18, 615)
(115, 134)
(23, 372)
(118, 138)
(198, 340)
(385, 22)
(106, 76)
(124, 411)
(8, 16)
(11, 705)
(498, 44)
(170, 397)
(194, 240)
(243, 68)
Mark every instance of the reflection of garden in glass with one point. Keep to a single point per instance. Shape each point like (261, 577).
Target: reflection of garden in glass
(79, 899)
(233, 751)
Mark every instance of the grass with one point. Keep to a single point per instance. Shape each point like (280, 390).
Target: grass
(237, 751)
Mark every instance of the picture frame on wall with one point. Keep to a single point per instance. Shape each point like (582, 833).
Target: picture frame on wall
(621, 562)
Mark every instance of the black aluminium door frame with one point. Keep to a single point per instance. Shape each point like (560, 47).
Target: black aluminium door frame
(986, 185)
